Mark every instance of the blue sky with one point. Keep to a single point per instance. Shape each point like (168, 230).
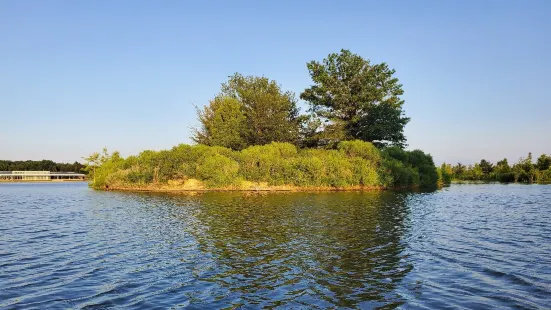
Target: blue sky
(80, 75)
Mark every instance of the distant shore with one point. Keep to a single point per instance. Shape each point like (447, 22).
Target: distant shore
(42, 181)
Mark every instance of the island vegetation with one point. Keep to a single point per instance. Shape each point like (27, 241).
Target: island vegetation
(253, 136)
(523, 171)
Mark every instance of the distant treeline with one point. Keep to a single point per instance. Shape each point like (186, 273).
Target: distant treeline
(524, 171)
(40, 165)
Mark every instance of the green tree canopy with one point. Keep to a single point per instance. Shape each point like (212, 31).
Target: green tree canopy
(544, 162)
(486, 166)
(249, 110)
(357, 99)
(271, 113)
(223, 123)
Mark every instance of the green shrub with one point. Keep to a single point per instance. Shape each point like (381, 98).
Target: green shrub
(544, 176)
(352, 163)
(410, 168)
(506, 177)
(402, 175)
(425, 165)
(218, 170)
(444, 175)
(338, 170)
(307, 171)
(140, 177)
(365, 172)
(396, 153)
(358, 148)
(268, 163)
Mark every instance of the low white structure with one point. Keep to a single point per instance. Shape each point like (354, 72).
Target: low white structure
(39, 176)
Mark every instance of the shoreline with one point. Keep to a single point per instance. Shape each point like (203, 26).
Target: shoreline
(193, 185)
(41, 181)
(250, 190)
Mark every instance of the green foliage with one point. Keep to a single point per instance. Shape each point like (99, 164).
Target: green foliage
(399, 174)
(383, 125)
(223, 123)
(308, 171)
(544, 176)
(338, 170)
(445, 173)
(524, 171)
(249, 111)
(218, 170)
(359, 100)
(486, 166)
(40, 165)
(409, 168)
(352, 163)
(365, 172)
(543, 163)
(268, 163)
(251, 129)
(310, 134)
(361, 149)
(94, 161)
(425, 165)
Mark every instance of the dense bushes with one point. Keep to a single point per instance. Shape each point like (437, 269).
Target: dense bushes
(218, 170)
(544, 176)
(350, 164)
(445, 173)
(409, 168)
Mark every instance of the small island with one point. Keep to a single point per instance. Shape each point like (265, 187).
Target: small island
(252, 137)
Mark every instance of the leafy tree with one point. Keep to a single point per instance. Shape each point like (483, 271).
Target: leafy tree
(458, 171)
(544, 162)
(486, 167)
(503, 166)
(524, 170)
(445, 174)
(476, 172)
(223, 123)
(384, 122)
(94, 161)
(502, 172)
(271, 114)
(409, 167)
(357, 99)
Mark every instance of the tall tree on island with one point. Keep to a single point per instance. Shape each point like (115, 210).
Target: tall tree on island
(223, 123)
(249, 110)
(357, 100)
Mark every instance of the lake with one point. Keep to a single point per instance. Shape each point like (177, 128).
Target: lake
(63, 245)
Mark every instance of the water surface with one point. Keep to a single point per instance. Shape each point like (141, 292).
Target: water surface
(468, 246)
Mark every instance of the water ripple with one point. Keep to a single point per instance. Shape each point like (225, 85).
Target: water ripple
(469, 246)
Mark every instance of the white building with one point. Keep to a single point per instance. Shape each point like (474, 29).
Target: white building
(39, 176)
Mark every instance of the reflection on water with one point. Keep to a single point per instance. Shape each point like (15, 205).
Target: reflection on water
(66, 246)
(315, 249)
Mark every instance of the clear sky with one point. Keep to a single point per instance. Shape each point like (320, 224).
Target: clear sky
(76, 76)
